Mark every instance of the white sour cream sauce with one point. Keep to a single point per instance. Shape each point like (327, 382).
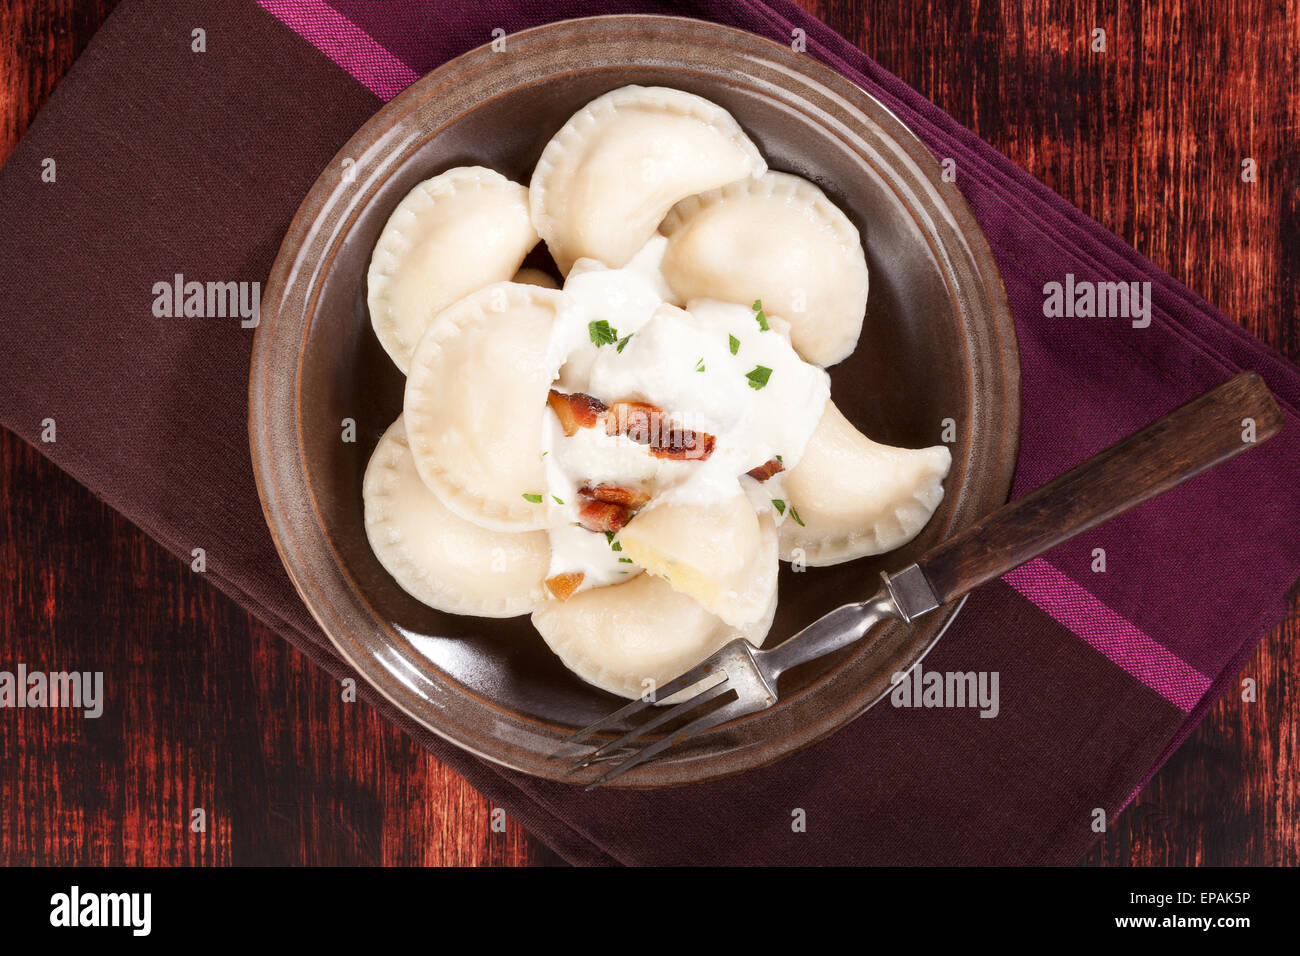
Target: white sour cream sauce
(699, 365)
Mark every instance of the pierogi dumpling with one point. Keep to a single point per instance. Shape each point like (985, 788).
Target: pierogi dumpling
(439, 558)
(777, 239)
(621, 637)
(723, 554)
(474, 405)
(606, 179)
(857, 497)
(450, 235)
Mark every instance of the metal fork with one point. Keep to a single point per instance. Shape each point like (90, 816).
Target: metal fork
(751, 673)
(1199, 435)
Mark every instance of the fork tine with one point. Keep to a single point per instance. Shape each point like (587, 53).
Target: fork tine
(691, 677)
(737, 708)
(703, 697)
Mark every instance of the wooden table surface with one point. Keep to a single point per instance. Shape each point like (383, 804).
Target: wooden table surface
(1146, 137)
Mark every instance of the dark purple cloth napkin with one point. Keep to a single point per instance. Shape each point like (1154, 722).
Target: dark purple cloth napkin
(171, 161)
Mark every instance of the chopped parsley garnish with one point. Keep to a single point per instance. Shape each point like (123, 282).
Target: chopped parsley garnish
(779, 505)
(601, 333)
(613, 545)
(625, 560)
(535, 499)
(735, 344)
(760, 315)
(780, 459)
(699, 366)
(558, 499)
(623, 341)
(758, 376)
(799, 521)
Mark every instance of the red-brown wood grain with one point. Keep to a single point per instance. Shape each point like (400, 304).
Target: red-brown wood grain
(1147, 138)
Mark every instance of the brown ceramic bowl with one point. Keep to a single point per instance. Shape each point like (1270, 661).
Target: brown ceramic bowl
(938, 343)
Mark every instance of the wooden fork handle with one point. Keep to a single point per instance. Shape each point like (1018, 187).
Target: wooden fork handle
(1225, 421)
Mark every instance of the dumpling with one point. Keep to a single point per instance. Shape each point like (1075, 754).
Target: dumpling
(777, 239)
(606, 179)
(474, 405)
(723, 554)
(853, 496)
(439, 558)
(633, 637)
(452, 234)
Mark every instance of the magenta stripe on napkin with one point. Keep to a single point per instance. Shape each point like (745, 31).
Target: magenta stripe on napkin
(345, 43)
(1119, 640)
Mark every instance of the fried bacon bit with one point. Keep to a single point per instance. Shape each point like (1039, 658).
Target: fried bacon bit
(601, 516)
(766, 470)
(563, 585)
(637, 420)
(685, 445)
(632, 498)
(607, 508)
(646, 424)
(576, 410)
